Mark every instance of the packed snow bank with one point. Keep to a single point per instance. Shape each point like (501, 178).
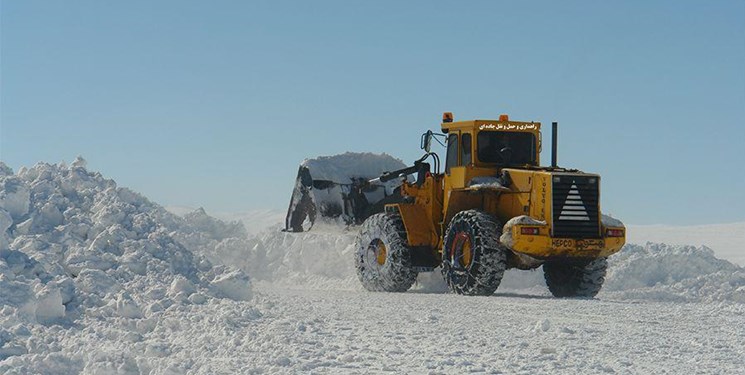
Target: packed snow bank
(75, 247)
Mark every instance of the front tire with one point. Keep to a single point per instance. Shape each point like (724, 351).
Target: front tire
(575, 279)
(473, 259)
(382, 259)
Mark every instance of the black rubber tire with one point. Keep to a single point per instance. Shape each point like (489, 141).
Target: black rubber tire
(575, 279)
(396, 273)
(483, 273)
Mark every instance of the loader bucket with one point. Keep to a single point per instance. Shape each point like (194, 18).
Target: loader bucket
(337, 189)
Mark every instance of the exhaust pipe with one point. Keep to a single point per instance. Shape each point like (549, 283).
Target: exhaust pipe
(554, 132)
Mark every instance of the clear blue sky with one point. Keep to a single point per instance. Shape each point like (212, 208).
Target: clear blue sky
(214, 104)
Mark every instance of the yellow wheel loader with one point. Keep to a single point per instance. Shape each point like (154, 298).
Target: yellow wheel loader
(493, 208)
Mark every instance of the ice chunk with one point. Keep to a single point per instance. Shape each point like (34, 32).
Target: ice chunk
(542, 326)
(79, 162)
(5, 222)
(234, 285)
(5, 170)
(49, 306)
(126, 307)
(14, 196)
(181, 284)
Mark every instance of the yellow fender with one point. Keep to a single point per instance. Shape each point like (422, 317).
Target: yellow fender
(420, 230)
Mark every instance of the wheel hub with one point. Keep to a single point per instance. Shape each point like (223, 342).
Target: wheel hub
(462, 249)
(378, 251)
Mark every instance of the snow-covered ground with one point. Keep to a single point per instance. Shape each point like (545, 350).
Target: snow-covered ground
(353, 332)
(96, 279)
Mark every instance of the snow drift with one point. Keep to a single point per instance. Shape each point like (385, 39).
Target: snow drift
(74, 247)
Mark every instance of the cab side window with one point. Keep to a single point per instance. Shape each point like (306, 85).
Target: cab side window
(465, 149)
(452, 157)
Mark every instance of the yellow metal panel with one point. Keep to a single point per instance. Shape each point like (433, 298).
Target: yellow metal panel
(540, 197)
(461, 200)
(429, 196)
(521, 179)
(457, 177)
(419, 228)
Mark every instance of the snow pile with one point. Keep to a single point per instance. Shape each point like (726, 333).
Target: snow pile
(205, 235)
(674, 273)
(486, 181)
(75, 249)
(340, 168)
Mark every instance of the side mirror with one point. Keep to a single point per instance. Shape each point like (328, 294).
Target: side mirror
(426, 143)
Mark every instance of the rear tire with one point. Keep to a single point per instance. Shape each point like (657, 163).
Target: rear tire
(575, 279)
(473, 259)
(382, 259)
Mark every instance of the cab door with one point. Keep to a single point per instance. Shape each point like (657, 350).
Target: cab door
(459, 157)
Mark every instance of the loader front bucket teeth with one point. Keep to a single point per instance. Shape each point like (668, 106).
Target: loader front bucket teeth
(338, 188)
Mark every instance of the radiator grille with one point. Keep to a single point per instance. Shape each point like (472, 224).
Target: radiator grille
(575, 206)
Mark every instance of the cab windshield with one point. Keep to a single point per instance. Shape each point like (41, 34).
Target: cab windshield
(506, 148)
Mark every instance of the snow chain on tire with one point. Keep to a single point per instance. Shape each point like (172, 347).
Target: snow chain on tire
(566, 279)
(473, 259)
(382, 258)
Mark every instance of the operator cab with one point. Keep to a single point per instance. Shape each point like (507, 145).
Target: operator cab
(491, 143)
